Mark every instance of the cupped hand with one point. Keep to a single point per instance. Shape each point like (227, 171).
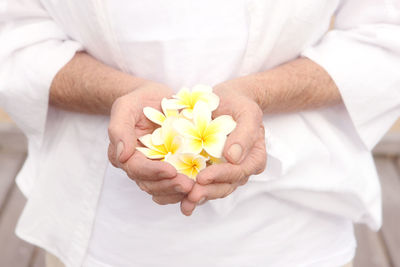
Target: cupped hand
(127, 124)
(244, 149)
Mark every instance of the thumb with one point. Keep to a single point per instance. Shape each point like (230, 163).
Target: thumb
(187, 206)
(121, 132)
(242, 139)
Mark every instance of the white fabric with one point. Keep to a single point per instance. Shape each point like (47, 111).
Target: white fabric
(246, 229)
(131, 230)
(318, 160)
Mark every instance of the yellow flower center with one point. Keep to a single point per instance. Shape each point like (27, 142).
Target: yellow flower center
(195, 165)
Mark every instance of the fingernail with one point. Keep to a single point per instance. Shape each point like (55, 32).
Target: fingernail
(235, 152)
(178, 189)
(120, 148)
(202, 200)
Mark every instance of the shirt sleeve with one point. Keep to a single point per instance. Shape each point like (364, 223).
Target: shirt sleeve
(33, 48)
(362, 55)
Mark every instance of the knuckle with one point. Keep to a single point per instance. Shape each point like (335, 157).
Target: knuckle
(118, 129)
(151, 190)
(129, 171)
(175, 199)
(245, 173)
(159, 201)
(141, 186)
(261, 166)
(113, 130)
(244, 180)
(166, 200)
(113, 162)
(261, 169)
(228, 191)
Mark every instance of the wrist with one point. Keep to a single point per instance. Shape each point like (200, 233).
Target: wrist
(251, 86)
(126, 85)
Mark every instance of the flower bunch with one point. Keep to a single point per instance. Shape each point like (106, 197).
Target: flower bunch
(188, 138)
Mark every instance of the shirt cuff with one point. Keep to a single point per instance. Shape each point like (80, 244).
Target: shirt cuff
(27, 76)
(366, 77)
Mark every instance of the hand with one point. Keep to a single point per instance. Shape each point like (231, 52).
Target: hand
(244, 149)
(128, 123)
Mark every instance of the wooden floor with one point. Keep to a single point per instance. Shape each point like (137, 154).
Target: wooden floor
(380, 249)
(13, 251)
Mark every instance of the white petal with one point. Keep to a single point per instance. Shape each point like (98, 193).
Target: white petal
(156, 137)
(185, 128)
(202, 161)
(149, 153)
(174, 104)
(154, 115)
(176, 146)
(223, 124)
(192, 146)
(146, 141)
(164, 105)
(170, 106)
(168, 133)
(214, 145)
(213, 101)
(183, 94)
(201, 115)
(175, 161)
(187, 113)
(195, 163)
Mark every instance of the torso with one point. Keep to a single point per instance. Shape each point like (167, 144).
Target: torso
(185, 43)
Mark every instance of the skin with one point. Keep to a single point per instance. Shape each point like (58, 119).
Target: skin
(88, 86)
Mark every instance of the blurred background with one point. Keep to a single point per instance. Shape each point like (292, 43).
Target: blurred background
(380, 249)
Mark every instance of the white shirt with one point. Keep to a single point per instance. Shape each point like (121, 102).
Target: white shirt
(131, 230)
(319, 161)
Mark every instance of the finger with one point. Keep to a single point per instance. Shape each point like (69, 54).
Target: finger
(256, 161)
(187, 207)
(220, 173)
(180, 184)
(111, 155)
(121, 130)
(138, 167)
(242, 139)
(201, 193)
(170, 199)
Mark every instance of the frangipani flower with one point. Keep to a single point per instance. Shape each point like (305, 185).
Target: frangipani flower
(156, 116)
(188, 137)
(186, 99)
(204, 133)
(187, 163)
(161, 143)
(211, 159)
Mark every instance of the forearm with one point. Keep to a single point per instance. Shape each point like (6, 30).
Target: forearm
(89, 86)
(297, 85)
